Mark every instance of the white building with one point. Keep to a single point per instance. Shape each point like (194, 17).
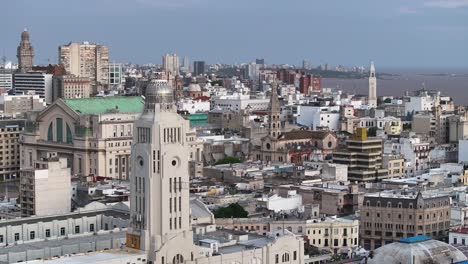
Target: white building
(45, 188)
(34, 83)
(421, 102)
(276, 203)
(334, 172)
(463, 151)
(6, 81)
(319, 116)
(193, 106)
(237, 102)
(415, 152)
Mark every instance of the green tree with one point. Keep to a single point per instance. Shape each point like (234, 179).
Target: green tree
(233, 210)
(228, 160)
(387, 100)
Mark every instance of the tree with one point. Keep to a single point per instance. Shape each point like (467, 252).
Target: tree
(233, 210)
(387, 100)
(228, 160)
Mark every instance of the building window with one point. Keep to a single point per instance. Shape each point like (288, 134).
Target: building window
(1, 238)
(32, 235)
(17, 237)
(59, 124)
(47, 233)
(50, 133)
(276, 259)
(77, 229)
(106, 226)
(170, 223)
(62, 231)
(91, 228)
(295, 255)
(69, 135)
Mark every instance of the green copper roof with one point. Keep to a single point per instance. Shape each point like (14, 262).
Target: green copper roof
(101, 105)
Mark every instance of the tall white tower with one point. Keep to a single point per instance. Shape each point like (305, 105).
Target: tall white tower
(372, 100)
(159, 210)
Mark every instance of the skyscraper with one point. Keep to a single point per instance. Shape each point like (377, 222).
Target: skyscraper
(198, 68)
(171, 63)
(25, 53)
(372, 101)
(87, 60)
(160, 213)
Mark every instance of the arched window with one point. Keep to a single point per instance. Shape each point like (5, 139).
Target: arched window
(285, 257)
(69, 135)
(378, 204)
(59, 124)
(178, 259)
(389, 204)
(411, 205)
(50, 133)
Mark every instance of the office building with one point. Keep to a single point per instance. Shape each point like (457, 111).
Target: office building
(391, 215)
(34, 83)
(87, 60)
(25, 53)
(45, 187)
(363, 156)
(70, 86)
(171, 64)
(198, 68)
(94, 134)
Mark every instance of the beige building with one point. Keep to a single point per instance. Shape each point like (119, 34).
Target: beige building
(45, 188)
(363, 156)
(339, 235)
(70, 86)
(15, 105)
(387, 217)
(10, 130)
(86, 60)
(395, 164)
(94, 134)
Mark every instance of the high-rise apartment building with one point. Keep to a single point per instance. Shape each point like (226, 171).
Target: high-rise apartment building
(45, 187)
(25, 53)
(198, 68)
(389, 216)
(10, 130)
(87, 60)
(363, 156)
(372, 101)
(171, 63)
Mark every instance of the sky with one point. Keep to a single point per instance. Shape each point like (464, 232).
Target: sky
(392, 33)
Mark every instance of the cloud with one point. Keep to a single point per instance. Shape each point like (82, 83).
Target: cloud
(449, 4)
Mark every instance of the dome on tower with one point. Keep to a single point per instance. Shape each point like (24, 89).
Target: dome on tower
(25, 35)
(158, 91)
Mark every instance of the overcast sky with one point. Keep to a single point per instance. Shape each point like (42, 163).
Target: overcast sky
(393, 33)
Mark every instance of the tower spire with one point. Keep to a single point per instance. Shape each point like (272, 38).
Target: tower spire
(275, 124)
(372, 99)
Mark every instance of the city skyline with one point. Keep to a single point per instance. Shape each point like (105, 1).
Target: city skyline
(420, 34)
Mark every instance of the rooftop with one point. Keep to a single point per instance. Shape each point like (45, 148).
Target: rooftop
(107, 256)
(101, 105)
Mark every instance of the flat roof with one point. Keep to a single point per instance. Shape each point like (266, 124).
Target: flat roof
(92, 257)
